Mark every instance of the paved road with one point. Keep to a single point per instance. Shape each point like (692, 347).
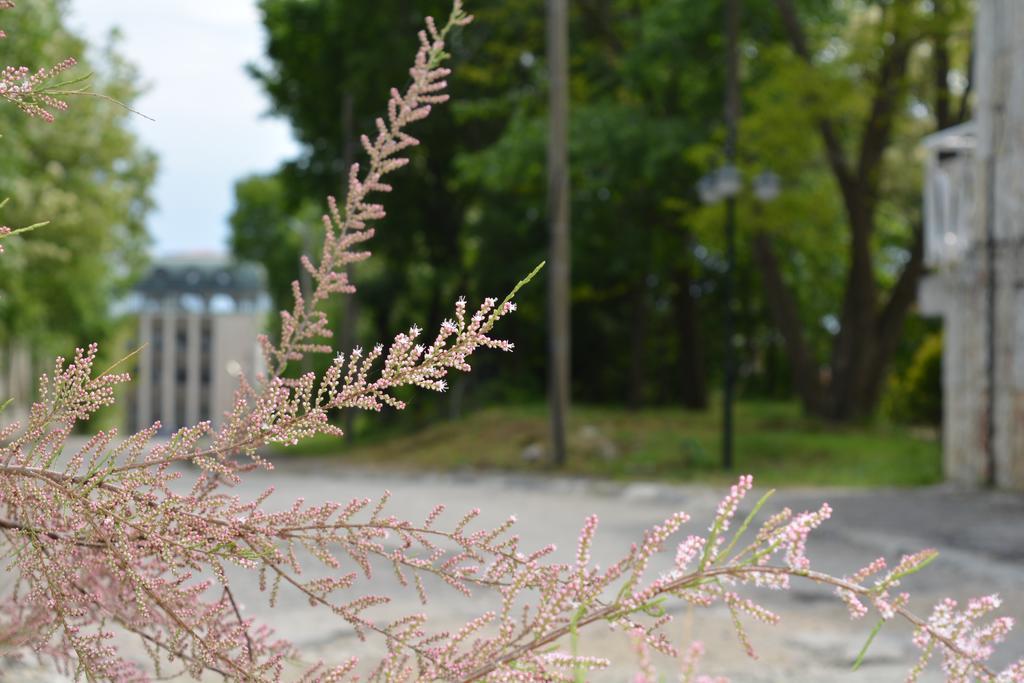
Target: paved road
(980, 537)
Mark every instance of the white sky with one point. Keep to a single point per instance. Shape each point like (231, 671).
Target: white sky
(210, 127)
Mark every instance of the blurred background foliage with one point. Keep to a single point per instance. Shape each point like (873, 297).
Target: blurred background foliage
(89, 176)
(838, 250)
(647, 80)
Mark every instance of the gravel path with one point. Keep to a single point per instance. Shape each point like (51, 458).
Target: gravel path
(980, 537)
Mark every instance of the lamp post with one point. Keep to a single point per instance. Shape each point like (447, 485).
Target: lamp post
(729, 185)
(726, 183)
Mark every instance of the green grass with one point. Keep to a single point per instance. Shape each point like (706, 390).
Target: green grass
(773, 442)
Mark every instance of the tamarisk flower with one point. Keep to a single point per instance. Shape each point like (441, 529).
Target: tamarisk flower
(965, 645)
(690, 660)
(304, 328)
(31, 91)
(5, 4)
(647, 673)
(573, 596)
(105, 544)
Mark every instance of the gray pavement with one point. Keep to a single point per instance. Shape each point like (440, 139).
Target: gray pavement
(980, 537)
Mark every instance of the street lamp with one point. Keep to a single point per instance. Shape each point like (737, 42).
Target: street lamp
(767, 186)
(707, 189)
(726, 183)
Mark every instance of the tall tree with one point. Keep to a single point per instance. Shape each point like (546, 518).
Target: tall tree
(904, 86)
(325, 78)
(87, 175)
(642, 92)
(473, 219)
(264, 228)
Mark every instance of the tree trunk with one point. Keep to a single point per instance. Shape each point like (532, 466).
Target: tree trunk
(691, 375)
(889, 323)
(637, 346)
(854, 346)
(869, 330)
(782, 305)
(860, 360)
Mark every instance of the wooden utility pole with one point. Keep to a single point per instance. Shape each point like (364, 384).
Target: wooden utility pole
(559, 329)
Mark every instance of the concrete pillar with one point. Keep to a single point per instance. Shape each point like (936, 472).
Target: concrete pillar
(144, 379)
(192, 389)
(999, 226)
(18, 382)
(168, 382)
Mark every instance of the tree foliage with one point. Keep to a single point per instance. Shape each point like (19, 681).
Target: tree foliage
(634, 113)
(842, 109)
(91, 176)
(835, 98)
(324, 78)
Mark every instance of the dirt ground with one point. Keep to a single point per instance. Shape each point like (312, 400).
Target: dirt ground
(980, 537)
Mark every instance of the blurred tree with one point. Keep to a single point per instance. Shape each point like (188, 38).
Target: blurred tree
(322, 74)
(646, 92)
(265, 229)
(869, 78)
(642, 91)
(88, 176)
(325, 77)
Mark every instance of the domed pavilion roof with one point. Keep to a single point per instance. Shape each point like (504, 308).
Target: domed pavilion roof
(205, 275)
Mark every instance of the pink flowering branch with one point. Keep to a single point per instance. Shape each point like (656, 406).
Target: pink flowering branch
(5, 4)
(305, 325)
(705, 577)
(116, 499)
(39, 93)
(219, 529)
(689, 662)
(33, 92)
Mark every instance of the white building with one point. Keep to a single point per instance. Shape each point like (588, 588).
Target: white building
(198, 318)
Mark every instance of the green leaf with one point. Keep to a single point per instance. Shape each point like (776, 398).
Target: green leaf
(864, 650)
(746, 523)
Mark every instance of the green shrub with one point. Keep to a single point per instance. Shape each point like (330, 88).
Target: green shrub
(915, 396)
